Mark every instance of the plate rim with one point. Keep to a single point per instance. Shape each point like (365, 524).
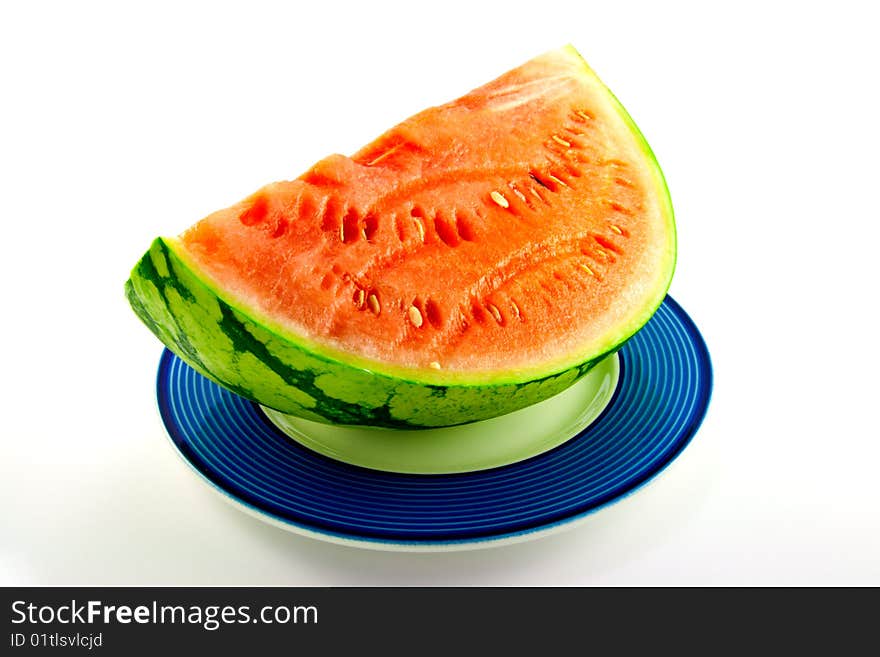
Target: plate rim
(475, 542)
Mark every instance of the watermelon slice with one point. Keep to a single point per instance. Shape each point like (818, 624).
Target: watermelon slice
(477, 258)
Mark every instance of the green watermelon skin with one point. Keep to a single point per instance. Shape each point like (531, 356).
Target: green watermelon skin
(225, 345)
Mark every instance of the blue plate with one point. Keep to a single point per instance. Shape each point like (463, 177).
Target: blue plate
(661, 398)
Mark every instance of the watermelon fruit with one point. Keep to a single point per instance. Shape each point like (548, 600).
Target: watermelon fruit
(477, 258)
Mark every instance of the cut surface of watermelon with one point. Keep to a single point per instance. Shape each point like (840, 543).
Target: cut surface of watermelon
(474, 259)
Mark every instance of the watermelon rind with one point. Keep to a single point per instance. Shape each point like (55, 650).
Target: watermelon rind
(268, 365)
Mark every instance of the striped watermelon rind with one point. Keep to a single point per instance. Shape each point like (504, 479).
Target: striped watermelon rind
(283, 371)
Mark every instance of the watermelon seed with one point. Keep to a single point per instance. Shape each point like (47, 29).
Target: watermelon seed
(557, 180)
(536, 194)
(516, 311)
(434, 365)
(359, 299)
(498, 197)
(371, 225)
(623, 182)
(559, 140)
(573, 144)
(616, 229)
(420, 227)
(415, 316)
(587, 269)
(495, 313)
(373, 303)
(349, 231)
(382, 156)
(583, 115)
(418, 215)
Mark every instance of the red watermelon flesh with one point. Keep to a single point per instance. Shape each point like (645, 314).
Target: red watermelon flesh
(522, 227)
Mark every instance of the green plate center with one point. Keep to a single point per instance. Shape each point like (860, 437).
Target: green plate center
(477, 446)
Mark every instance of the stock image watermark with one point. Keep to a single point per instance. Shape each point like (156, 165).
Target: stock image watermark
(88, 615)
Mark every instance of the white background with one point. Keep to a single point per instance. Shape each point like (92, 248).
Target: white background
(118, 124)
